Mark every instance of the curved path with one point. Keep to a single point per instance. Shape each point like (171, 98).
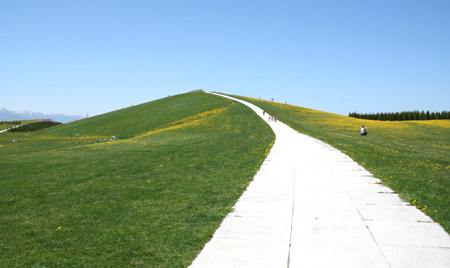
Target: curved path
(312, 206)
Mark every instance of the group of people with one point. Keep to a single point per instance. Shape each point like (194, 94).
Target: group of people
(14, 140)
(274, 119)
(271, 118)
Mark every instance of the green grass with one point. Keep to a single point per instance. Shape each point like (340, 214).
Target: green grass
(412, 158)
(140, 119)
(155, 197)
(151, 199)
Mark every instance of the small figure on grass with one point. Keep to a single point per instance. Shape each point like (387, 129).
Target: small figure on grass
(363, 131)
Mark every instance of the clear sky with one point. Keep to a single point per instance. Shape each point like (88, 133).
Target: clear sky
(79, 57)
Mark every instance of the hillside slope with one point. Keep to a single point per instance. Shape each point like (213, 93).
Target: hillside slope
(153, 198)
(411, 157)
(139, 119)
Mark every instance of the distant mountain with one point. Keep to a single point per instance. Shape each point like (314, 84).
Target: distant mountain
(7, 115)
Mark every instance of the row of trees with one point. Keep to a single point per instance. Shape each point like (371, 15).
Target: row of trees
(11, 122)
(34, 126)
(403, 116)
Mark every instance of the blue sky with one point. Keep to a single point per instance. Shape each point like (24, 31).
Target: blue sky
(79, 57)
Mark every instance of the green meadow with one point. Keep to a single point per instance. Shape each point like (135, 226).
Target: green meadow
(71, 197)
(412, 158)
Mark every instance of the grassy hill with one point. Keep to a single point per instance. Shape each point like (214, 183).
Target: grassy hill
(411, 157)
(152, 198)
(140, 119)
(71, 197)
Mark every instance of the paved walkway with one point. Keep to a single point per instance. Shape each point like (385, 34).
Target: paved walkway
(312, 206)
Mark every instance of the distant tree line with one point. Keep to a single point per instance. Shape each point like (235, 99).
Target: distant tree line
(11, 122)
(35, 126)
(403, 116)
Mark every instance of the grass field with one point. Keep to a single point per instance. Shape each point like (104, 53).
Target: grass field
(412, 158)
(71, 197)
(152, 198)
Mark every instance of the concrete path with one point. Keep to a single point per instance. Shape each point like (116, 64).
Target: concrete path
(312, 206)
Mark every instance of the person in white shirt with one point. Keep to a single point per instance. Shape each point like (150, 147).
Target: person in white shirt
(363, 131)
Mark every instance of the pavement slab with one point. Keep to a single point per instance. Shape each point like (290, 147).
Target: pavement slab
(336, 255)
(311, 205)
(227, 253)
